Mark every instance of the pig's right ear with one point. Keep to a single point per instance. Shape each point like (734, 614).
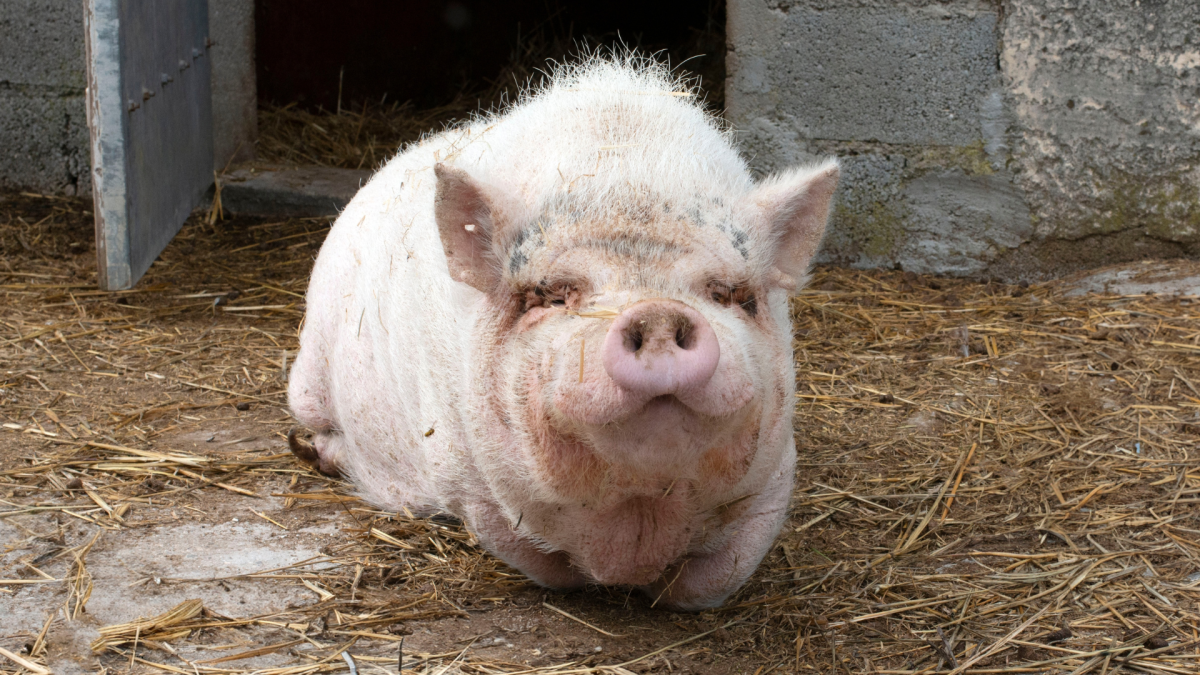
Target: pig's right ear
(467, 221)
(794, 209)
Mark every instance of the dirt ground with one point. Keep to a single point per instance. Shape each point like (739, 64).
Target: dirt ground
(992, 479)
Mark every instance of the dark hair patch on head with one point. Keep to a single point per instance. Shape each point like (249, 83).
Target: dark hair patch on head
(520, 239)
(739, 242)
(516, 257)
(517, 261)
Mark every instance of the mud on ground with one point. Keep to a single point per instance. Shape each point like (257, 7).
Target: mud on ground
(992, 479)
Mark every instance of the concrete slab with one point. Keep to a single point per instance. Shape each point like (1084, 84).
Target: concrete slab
(1106, 114)
(292, 192)
(1160, 277)
(145, 572)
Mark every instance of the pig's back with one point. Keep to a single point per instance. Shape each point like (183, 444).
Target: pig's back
(384, 345)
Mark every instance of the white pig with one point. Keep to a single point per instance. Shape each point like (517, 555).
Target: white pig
(567, 324)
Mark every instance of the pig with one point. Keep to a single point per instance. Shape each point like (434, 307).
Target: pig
(567, 324)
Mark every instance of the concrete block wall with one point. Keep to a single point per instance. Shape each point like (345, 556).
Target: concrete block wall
(1020, 139)
(43, 120)
(43, 123)
(234, 81)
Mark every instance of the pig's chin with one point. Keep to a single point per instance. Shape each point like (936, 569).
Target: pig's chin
(664, 433)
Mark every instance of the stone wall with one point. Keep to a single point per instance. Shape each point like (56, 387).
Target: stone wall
(1019, 138)
(43, 121)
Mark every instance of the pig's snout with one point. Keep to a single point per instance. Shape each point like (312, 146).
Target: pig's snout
(660, 347)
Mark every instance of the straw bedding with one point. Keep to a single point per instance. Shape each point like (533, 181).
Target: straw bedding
(992, 479)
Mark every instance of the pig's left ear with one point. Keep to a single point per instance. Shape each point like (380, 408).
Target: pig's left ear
(794, 208)
(468, 220)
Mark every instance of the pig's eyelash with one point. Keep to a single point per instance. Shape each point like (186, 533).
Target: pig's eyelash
(547, 295)
(727, 295)
(744, 297)
(721, 293)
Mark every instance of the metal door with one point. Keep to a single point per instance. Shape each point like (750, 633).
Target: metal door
(150, 117)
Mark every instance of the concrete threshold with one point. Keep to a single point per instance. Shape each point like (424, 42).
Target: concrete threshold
(292, 192)
(1157, 277)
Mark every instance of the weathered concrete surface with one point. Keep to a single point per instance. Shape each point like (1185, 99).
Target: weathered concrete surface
(960, 222)
(1019, 138)
(292, 192)
(234, 82)
(43, 124)
(1159, 277)
(139, 573)
(836, 71)
(1106, 98)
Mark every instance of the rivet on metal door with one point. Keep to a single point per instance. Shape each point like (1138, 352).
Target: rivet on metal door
(150, 116)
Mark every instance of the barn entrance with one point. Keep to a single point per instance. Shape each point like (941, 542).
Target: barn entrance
(315, 53)
(339, 88)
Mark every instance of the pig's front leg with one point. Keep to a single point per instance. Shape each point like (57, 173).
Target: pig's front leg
(552, 570)
(706, 580)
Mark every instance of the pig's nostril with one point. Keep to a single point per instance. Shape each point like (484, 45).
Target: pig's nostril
(682, 333)
(635, 341)
(681, 337)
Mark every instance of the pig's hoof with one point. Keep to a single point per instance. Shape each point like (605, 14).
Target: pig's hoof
(305, 452)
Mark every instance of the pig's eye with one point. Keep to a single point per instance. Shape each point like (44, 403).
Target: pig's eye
(745, 299)
(721, 294)
(552, 295)
(728, 296)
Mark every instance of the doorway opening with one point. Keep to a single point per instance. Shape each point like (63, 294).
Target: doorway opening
(347, 84)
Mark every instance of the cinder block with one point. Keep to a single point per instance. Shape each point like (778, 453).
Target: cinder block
(867, 226)
(892, 212)
(41, 43)
(43, 123)
(234, 83)
(890, 73)
(908, 94)
(43, 140)
(959, 224)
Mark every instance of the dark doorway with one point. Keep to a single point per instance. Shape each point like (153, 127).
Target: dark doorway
(317, 53)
